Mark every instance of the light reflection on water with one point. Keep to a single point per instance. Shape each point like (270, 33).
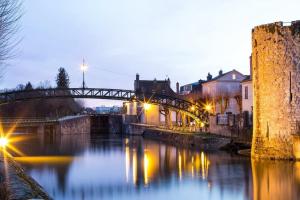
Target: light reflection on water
(109, 167)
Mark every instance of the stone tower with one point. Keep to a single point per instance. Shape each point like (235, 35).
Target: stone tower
(276, 86)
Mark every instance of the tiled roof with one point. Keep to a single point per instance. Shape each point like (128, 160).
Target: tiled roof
(248, 78)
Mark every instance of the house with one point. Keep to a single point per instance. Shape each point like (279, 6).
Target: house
(247, 95)
(195, 87)
(153, 86)
(144, 112)
(224, 91)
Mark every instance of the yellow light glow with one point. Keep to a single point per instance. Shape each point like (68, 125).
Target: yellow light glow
(146, 168)
(193, 108)
(208, 107)
(43, 159)
(147, 106)
(7, 141)
(3, 142)
(134, 167)
(127, 163)
(179, 166)
(204, 165)
(202, 124)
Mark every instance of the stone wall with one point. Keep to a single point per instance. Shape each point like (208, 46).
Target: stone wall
(198, 141)
(135, 128)
(115, 124)
(235, 128)
(100, 124)
(75, 125)
(276, 76)
(15, 184)
(151, 116)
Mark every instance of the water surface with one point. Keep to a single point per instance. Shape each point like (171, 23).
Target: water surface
(111, 167)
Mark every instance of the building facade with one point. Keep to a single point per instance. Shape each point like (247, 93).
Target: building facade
(224, 91)
(247, 95)
(148, 113)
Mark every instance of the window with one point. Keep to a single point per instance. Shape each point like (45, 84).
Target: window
(246, 92)
(233, 76)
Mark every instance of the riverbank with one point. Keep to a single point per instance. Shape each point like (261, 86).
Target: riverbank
(204, 141)
(16, 185)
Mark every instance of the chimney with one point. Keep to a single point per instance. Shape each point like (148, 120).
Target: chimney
(136, 82)
(220, 72)
(177, 88)
(209, 76)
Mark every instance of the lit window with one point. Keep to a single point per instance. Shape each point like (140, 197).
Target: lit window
(233, 76)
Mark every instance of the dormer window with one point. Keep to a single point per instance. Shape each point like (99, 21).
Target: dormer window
(233, 76)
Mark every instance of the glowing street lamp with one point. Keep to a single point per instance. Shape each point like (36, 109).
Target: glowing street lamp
(202, 124)
(208, 107)
(3, 142)
(193, 108)
(147, 106)
(83, 68)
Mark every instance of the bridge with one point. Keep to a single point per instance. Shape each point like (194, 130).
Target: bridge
(195, 111)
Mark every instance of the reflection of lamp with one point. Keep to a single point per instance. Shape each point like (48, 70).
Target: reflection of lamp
(83, 68)
(146, 168)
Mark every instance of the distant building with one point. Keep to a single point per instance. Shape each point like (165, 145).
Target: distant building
(144, 112)
(153, 86)
(224, 91)
(195, 87)
(247, 95)
(108, 110)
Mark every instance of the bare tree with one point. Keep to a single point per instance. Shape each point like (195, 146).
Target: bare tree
(222, 100)
(10, 14)
(44, 84)
(239, 100)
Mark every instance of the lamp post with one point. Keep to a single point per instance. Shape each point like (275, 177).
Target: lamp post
(83, 68)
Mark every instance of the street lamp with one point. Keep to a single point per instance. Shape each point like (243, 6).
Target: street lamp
(3, 142)
(147, 106)
(193, 108)
(208, 107)
(83, 68)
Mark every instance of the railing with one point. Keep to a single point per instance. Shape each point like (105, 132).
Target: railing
(26, 120)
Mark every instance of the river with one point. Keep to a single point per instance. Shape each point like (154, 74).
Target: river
(112, 167)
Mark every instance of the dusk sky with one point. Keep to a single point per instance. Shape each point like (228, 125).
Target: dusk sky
(182, 40)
